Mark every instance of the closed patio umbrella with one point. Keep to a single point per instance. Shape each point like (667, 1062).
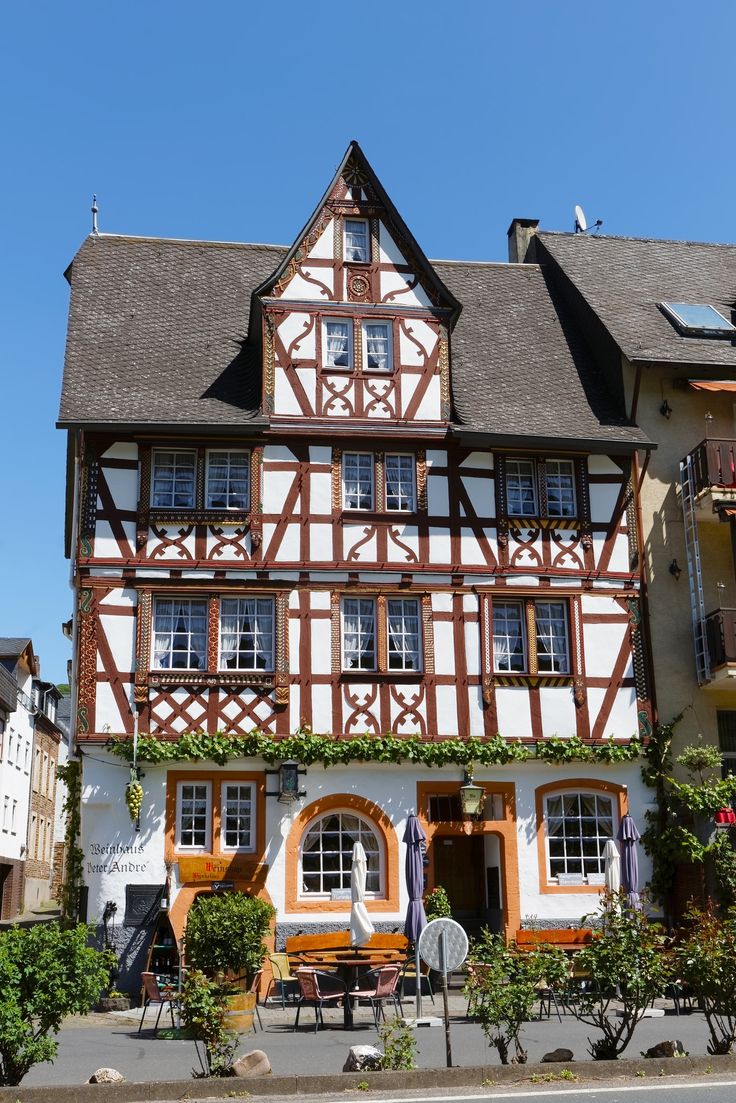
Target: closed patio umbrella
(628, 836)
(612, 867)
(361, 927)
(416, 919)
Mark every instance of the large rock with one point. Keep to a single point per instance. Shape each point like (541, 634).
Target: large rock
(255, 1063)
(106, 1076)
(666, 1049)
(362, 1058)
(556, 1055)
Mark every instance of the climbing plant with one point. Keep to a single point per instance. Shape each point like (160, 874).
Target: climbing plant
(71, 775)
(311, 748)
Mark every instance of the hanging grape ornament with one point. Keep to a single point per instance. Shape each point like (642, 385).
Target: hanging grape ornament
(134, 797)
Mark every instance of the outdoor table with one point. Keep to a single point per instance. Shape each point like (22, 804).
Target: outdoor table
(346, 967)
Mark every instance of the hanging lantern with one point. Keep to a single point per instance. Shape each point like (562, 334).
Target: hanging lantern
(471, 796)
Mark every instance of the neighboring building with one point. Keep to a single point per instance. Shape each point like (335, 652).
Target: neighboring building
(63, 720)
(339, 487)
(660, 315)
(39, 871)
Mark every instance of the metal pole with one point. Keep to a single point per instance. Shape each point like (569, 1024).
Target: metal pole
(418, 993)
(443, 970)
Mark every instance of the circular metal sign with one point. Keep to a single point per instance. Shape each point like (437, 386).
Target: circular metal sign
(455, 940)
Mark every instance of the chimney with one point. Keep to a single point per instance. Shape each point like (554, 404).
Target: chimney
(520, 233)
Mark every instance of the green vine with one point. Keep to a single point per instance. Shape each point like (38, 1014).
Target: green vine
(676, 828)
(71, 775)
(310, 748)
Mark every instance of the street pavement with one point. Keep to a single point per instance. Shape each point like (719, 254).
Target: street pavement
(90, 1042)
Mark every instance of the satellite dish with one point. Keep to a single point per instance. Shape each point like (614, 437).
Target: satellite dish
(581, 222)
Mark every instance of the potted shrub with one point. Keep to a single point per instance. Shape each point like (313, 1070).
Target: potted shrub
(223, 939)
(437, 904)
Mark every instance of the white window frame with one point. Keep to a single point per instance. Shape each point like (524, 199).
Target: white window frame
(507, 653)
(365, 461)
(242, 601)
(563, 657)
(367, 367)
(156, 654)
(367, 607)
(251, 785)
(229, 493)
(345, 852)
(367, 236)
(191, 453)
(411, 660)
(194, 848)
(578, 838)
(326, 323)
(411, 507)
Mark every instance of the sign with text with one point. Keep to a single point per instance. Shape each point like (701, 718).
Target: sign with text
(204, 870)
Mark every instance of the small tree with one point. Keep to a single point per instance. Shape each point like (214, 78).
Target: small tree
(45, 974)
(225, 933)
(626, 963)
(706, 960)
(203, 1009)
(504, 987)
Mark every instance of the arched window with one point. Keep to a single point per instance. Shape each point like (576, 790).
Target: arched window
(578, 825)
(326, 854)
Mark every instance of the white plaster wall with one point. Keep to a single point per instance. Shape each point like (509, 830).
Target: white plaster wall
(602, 644)
(284, 400)
(324, 246)
(389, 250)
(121, 450)
(16, 766)
(395, 288)
(399, 534)
(173, 551)
(447, 710)
(513, 711)
(352, 536)
(299, 288)
(299, 324)
(289, 549)
(558, 710)
(276, 487)
(123, 486)
(416, 331)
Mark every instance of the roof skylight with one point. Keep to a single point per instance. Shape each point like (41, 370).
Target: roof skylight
(698, 320)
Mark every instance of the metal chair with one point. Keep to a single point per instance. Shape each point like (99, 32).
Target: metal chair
(152, 994)
(409, 973)
(316, 990)
(546, 995)
(255, 987)
(282, 980)
(379, 987)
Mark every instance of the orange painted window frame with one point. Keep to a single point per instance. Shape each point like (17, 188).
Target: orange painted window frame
(216, 779)
(577, 784)
(347, 802)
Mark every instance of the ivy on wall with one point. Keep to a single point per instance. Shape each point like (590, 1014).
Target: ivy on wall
(71, 775)
(309, 748)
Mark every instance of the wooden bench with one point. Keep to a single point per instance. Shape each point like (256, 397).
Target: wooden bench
(568, 940)
(334, 946)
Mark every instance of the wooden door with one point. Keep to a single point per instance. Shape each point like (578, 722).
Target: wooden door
(459, 866)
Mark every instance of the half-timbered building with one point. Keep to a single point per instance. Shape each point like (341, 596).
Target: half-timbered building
(340, 490)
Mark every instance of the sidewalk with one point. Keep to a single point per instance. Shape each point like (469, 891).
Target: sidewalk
(90, 1042)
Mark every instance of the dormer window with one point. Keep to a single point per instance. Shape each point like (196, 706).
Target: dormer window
(697, 320)
(529, 482)
(356, 240)
(338, 345)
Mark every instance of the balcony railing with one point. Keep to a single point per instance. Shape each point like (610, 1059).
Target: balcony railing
(720, 634)
(714, 464)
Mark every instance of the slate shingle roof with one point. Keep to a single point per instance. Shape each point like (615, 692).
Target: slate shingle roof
(157, 329)
(12, 646)
(157, 334)
(624, 278)
(518, 365)
(8, 691)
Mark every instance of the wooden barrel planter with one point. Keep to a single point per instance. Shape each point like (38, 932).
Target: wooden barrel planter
(241, 1009)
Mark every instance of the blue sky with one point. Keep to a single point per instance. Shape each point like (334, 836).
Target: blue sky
(227, 120)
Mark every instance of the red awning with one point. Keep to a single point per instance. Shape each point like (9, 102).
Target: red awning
(712, 384)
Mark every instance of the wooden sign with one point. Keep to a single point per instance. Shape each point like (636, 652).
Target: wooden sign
(203, 870)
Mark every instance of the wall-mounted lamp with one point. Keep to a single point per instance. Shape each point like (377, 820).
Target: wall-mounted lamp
(288, 790)
(675, 570)
(666, 410)
(471, 796)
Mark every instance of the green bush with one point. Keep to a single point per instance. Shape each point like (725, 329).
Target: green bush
(224, 933)
(437, 904)
(628, 964)
(45, 974)
(203, 1008)
(399, 1045)
(706, 961)
(503, 989)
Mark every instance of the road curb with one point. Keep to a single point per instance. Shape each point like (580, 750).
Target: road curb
(458, 1077)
